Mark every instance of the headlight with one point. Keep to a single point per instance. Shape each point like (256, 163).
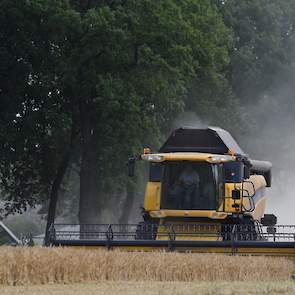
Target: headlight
(157, 214)
(221, 159)
(152, 158)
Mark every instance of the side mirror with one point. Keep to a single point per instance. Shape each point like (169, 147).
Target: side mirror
(131, 166)
(246, 172)
(236, 194)
(267, 176)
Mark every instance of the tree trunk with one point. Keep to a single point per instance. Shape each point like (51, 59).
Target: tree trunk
(89, 173)
(61, 171)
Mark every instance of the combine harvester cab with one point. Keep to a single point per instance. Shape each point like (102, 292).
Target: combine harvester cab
(204, 194)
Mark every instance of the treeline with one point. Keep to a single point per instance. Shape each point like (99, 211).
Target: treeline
(84, 84)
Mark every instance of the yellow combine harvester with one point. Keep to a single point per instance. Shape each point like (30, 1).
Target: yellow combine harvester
(201, 176)
(204, 194)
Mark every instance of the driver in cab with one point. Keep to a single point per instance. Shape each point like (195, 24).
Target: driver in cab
(188, 184)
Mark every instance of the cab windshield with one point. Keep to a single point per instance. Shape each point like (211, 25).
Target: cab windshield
(189, 185)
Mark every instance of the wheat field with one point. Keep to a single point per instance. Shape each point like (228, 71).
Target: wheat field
(37, 265)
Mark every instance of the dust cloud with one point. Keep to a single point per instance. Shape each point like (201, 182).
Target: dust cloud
(271, 137)
(188, 119)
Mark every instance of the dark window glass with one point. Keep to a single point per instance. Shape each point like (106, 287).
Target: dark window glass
(233, 171)
(188, 185)
(155, 172)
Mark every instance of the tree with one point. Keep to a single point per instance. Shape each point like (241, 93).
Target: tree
(134, 85)
(210, 94)
(33, 130)
(263, 42)
(98, 80)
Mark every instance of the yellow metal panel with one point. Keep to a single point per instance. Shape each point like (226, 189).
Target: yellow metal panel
(228, 202)
(190, 231)
(189, 156)
(188, 213)
(259, 184)
(152, 196)
(258, 181)
(259, 209)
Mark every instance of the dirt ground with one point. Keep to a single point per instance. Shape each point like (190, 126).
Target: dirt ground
(154, 288)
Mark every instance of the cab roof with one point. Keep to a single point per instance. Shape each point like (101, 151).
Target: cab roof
(212, 140)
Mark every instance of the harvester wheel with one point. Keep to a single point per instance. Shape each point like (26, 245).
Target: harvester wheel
(247, 231)
(240, 230)
(146, 231)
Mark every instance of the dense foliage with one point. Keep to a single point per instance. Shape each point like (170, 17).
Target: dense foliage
(84, 84)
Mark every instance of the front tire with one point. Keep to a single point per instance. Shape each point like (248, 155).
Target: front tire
(239, 229)
(146, 231)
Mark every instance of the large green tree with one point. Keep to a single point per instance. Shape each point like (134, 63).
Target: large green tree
(133, 64)
(91, 82)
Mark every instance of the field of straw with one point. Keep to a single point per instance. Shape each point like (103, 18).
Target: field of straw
(37, 266)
